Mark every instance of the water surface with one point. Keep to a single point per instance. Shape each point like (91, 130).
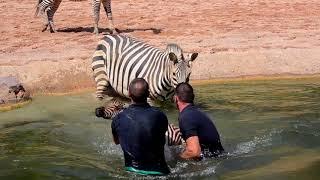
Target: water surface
(271, 130)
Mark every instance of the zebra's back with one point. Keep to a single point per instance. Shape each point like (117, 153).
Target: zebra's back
(119, 59)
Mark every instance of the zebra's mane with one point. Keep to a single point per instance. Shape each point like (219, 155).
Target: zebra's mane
(174, 48)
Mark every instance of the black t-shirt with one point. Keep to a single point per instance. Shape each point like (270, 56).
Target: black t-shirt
(193, 122)
(141, 132)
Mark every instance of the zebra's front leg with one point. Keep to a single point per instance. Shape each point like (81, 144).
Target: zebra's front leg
(107, 9)
(45, 20)
(96, 15)
(49, 15)
(52, 28)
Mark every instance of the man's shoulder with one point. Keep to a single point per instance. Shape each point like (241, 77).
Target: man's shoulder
(149, 110)
(157, 111)
(190, 111)
(193, 114)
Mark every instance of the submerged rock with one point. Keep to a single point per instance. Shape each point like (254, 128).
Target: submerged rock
(12, 91)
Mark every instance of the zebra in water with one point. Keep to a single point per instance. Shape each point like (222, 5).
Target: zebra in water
(110, 110)
(173, 134)
(49, 7)
(119, 59)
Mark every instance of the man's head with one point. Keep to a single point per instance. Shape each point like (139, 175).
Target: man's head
(139, 90)
(184, 93)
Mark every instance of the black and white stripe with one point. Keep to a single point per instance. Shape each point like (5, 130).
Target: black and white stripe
(96, 14)
(113, 109)
(119, 59)
(173, 136)
(49, 7)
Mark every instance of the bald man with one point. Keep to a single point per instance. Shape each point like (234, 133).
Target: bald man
(140, 130)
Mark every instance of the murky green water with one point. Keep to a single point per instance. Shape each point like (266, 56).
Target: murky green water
(271, 130)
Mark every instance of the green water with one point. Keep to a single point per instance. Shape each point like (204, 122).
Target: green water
(271, 130)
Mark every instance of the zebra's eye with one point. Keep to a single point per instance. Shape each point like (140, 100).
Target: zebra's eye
(174, 74)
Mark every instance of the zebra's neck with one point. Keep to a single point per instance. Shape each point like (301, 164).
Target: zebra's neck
(167, 75)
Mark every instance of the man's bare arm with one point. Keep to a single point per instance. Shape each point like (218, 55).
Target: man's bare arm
(193, 149)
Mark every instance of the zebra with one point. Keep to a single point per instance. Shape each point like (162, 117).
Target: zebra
(173, 136)
(119, 59)
(49, 7)
(109, 111)
(96, 14)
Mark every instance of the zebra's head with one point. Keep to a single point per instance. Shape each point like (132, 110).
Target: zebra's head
(181, 66)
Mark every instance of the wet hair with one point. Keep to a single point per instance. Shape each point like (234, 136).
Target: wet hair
(139, 90)
(184, 91)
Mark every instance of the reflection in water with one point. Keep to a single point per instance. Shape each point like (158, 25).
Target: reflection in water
(270, 129)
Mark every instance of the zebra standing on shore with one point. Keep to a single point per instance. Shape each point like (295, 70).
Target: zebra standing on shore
(49, 7)
(119, 59)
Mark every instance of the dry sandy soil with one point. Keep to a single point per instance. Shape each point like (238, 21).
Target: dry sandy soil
(234, 38)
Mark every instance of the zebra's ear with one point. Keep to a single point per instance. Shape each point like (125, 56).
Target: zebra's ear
(193, 56)
(173, 58)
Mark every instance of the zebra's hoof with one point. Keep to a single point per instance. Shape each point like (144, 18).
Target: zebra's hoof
(96, 31)
(44, 28)
(52, 30)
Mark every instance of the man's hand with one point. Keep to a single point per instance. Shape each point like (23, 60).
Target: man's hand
(193, 149)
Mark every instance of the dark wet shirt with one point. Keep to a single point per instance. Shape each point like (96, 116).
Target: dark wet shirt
(193, 122)
(141, 133)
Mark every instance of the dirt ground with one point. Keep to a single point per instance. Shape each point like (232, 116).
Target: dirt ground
(234, 38)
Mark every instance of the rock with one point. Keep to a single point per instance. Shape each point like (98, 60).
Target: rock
(12, 91)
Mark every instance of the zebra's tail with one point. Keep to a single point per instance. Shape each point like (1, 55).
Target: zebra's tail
(37, 8)
(99, 69)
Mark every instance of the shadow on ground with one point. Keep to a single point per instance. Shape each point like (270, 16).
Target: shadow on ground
(107, 30)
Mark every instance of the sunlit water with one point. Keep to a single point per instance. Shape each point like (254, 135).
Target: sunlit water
(271, 130)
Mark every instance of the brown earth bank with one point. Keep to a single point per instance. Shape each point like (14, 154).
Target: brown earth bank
(234, 38)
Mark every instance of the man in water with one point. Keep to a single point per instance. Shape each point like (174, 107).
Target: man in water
(140, 130)
(199, 132)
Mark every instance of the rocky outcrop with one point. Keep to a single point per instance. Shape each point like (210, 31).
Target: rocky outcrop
(12, 91)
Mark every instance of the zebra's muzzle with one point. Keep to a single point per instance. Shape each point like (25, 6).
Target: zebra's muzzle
(100, 111)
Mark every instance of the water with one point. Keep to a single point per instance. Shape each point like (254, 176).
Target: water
(271, 130)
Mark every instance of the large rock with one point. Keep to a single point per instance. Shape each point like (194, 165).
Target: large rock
(12, 91)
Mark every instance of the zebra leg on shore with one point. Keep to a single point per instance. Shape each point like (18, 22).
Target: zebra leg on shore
(51, 13)
(107, 8)
(48, 8)
(96, 14)
(49, 17)
(45, 21)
